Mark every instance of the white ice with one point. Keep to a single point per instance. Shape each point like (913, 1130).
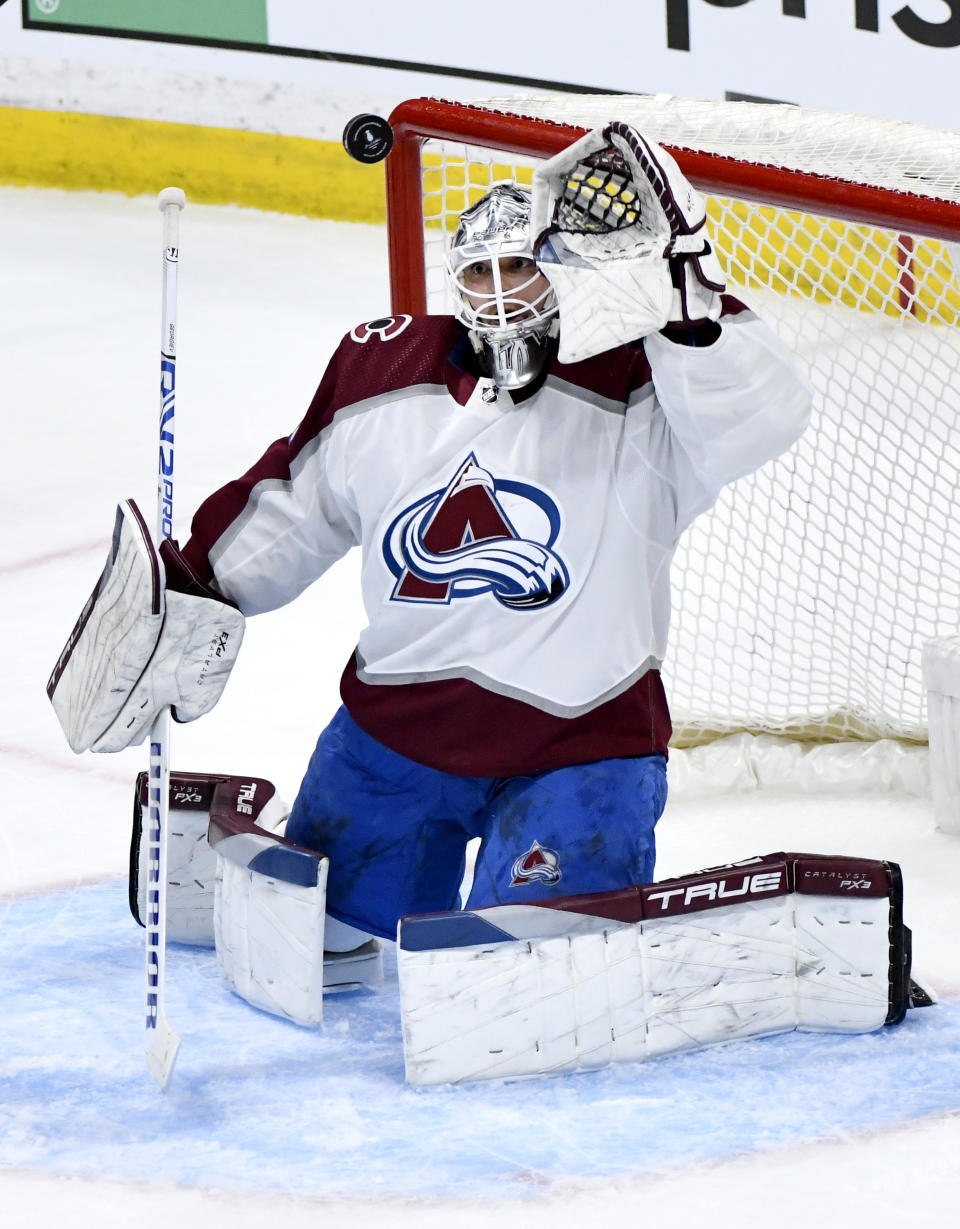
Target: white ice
(263, 300)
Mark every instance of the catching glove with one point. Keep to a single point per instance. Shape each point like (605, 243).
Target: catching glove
(621, 235)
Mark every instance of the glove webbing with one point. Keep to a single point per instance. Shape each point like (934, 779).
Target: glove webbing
(598, 196)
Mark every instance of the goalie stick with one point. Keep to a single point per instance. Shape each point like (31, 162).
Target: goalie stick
(162, 1043)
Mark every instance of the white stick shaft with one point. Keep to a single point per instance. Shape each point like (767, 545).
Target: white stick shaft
(168, 365)
(162, 1043)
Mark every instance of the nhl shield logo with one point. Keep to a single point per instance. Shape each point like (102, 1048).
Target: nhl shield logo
(538, 865)
(461, 541)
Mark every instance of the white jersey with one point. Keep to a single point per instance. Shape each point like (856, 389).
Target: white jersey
(516, 553)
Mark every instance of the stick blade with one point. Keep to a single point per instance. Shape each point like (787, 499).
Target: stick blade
(163, 1045)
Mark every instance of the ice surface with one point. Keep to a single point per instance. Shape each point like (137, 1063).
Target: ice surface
(311, 1110)
(319, 1128)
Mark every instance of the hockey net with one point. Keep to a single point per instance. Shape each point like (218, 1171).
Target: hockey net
(803, 599)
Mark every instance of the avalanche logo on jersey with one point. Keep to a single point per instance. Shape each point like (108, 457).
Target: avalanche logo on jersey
(537, 865)
(460, 542)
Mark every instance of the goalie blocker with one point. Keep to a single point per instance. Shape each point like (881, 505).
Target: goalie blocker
(774, 944)
(150, 636)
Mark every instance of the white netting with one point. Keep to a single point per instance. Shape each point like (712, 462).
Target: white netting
(858, 148)
(802, 601)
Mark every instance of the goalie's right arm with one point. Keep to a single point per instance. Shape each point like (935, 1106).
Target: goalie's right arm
(151, 636)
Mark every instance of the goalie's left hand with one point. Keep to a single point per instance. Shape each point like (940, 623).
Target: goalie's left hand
(621, 235)
(150, 637)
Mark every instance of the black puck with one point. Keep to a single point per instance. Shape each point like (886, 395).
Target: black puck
(368, 138)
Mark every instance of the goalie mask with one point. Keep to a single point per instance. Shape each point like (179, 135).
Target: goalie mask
(499, 293)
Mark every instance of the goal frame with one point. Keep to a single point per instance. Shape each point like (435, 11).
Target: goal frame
(421, 119)
(804, 168)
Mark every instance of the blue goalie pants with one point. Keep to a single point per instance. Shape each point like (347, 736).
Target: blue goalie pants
(396, 832)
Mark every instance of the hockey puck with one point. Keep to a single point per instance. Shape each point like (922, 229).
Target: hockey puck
(368, 138)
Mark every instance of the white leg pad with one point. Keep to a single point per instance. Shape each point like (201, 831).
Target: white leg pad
(191, 860)
(515, 991)
(235, 883)
(269, 906)
(842, 981)
(269, 939)
(191, 878)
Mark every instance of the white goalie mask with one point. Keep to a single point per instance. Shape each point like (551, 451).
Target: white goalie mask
(498, 291)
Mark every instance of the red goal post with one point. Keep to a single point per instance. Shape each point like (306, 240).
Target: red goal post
(802, 601)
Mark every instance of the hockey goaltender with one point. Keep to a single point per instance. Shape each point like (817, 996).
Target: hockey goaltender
(517, 475)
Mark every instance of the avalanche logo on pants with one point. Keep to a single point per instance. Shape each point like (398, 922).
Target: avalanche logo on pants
(460, 542)
(537, 865)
